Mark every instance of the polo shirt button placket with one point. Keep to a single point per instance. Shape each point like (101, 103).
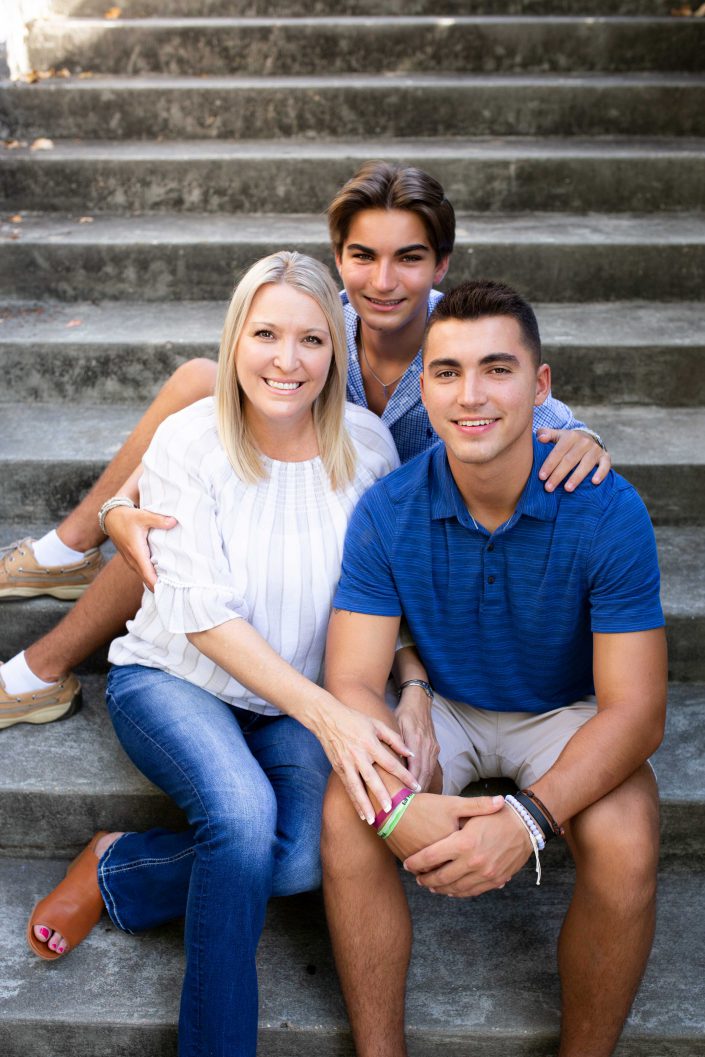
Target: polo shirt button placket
(490, 572)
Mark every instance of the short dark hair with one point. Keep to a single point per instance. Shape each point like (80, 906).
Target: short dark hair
(378, 185)
(478, 298)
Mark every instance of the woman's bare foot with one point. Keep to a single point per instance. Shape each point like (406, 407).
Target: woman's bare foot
(54, 940)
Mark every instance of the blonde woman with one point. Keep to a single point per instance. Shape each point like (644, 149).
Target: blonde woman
(214, 690)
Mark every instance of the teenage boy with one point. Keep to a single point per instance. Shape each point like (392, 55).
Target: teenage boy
(392, 230)
(522, 604)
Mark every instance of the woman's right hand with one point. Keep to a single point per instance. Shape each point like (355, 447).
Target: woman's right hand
(354, 743)
(128, 528)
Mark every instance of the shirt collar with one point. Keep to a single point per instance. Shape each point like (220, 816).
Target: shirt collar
(407, 393)
(446, 500)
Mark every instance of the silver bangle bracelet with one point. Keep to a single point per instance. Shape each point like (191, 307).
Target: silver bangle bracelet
(110, 504)
(426, 687)
(595, 436)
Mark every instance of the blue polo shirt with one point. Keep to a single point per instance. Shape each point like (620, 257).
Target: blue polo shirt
(503, 621)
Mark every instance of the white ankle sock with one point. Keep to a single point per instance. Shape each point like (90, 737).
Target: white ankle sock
(50, 550)
(19, 678)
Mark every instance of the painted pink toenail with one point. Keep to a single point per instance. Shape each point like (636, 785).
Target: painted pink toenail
(45, 933)
(61, 950)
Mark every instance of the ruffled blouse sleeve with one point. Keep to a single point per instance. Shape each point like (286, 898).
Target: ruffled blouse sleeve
(194, 589)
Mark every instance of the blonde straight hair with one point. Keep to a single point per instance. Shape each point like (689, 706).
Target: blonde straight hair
(334, 444)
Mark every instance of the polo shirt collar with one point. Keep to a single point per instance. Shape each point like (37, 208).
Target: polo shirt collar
(446, 500)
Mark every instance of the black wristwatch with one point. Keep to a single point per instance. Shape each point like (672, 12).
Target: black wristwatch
(426, 687)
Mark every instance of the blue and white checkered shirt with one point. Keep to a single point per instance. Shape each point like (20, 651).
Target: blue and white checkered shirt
(405, 416)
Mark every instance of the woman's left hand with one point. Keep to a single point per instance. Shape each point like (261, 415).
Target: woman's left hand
(354, 743)
(573, 450)
(413, 714)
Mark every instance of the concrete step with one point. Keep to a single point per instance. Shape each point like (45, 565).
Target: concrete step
(681, 554)
(310, 8)
(86, 782)
(356, 106)
(462, 993)
(121, 352)
(483, 175)
(48, 459)
(354, 44)
(550, 257)
(664, 470)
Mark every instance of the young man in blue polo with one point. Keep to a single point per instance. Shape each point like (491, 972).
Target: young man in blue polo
(537, 621)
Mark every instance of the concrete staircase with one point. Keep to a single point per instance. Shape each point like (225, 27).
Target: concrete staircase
(572, 146)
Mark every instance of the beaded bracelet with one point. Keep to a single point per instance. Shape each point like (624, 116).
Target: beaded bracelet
(534, 842)
(528, 821)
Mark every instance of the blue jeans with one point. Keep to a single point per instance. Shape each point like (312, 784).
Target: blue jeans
(252, 788)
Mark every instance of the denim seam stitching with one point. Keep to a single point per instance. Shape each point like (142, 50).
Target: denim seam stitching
(151, 862)
(101, 870)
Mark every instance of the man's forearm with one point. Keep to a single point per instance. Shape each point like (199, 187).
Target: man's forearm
(597, 759)
(630, 673)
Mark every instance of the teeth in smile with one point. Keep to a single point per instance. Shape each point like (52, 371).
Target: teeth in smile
(282, 385)
(376, 301)
(476, 422)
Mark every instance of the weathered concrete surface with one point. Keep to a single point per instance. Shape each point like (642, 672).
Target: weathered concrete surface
(548, 256)
(316, 107)
(662, 451)
(483, 175)
(462, 986)
(85, 783)
(350, 44)
(310, 8)
(119, 352)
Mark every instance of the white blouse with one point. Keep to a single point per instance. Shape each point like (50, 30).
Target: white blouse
(268, 552)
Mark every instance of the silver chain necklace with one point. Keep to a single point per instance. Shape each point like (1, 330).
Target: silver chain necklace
(386, 386)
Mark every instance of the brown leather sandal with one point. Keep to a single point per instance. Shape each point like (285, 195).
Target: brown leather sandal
(74, 907)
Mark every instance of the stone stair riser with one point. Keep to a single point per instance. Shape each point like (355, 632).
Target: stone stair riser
(457, 107)
(131, 373)
(606, 271)
(322, 8)
(306, 47)
(609, 183)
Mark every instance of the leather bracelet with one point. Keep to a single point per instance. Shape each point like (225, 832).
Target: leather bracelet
(426, 687)
(556, 830)
(110, 504)
(537, 815)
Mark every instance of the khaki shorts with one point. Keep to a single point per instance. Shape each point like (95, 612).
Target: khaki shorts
(478, 743)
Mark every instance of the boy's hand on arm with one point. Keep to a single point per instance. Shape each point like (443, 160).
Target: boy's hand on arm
(128, 528)
(576, 453)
